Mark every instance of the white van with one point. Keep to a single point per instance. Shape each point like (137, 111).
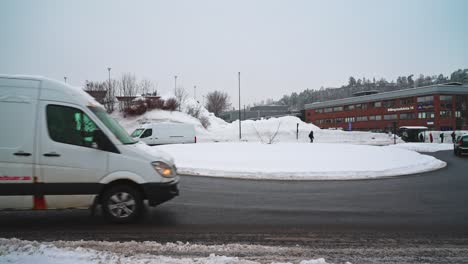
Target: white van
(60, 149)
(165, 133)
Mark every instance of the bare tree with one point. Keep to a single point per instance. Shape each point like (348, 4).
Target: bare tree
(146, 87)
(181, 95)
(128, 87)
(269, 137)
(217, 102)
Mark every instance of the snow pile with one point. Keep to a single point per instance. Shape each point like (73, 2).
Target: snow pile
(64, 252)
(282, 129)
(298, 161)
(424, 147)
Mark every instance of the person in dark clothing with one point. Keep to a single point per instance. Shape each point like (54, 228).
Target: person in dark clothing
(453, 136)
(421, 137)
(441, 137)
(430, 137)
(311, 136)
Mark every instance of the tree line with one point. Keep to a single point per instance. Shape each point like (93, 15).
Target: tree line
(296, 101)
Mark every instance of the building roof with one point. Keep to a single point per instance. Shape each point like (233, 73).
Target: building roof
(425, 90)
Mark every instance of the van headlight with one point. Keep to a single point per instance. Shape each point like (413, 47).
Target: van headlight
(163, 169)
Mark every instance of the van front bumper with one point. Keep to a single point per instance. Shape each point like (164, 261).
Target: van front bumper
(158, 193)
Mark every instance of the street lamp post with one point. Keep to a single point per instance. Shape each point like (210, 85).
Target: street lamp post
(195, 92)
(175, 84)
(109, 69)
(240, 129)
(65, 79)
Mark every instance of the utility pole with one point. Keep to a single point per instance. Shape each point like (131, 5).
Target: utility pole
(65, 78)
(109, 69)
(240, 129)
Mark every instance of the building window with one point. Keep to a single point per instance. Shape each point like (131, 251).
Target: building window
(446, 101)
(445, 114)
(405, 116)
(361, 106)
(308, 113)
(426, 115)
(391, 117)
(328, 121)
(457, 114)
(361, 118)
(377, 104)
(389, 103)
(337, 109)
(320, 110)
(349, 107)
(425, 102)
(339, 120)
(406, 101)
(349, 119)
(328, 110)
(378, 117)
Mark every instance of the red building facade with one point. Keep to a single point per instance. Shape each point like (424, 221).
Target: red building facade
(438, 107)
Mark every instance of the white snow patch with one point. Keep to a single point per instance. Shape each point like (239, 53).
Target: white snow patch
(298, 161)
(424, 147)
(69, 252)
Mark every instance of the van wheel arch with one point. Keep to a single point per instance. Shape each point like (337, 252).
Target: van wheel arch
(123, 182)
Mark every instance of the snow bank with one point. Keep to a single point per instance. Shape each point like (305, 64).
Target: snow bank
(298, 161)
(282, 129)
(424, 147)
(81, 252)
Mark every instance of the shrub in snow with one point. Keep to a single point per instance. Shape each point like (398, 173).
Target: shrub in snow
(171, 104)
(205, 121)
(154, 103)
(137, 108)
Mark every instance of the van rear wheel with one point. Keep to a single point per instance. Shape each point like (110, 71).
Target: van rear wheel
(122, 204)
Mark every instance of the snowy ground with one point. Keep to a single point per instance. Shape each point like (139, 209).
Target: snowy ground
(298, 161)
(424, 147)
(281, 129)
(93, 252)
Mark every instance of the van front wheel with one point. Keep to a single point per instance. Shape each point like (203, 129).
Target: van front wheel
(122, 204)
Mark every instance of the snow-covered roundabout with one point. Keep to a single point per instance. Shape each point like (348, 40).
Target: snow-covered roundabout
(298, 161)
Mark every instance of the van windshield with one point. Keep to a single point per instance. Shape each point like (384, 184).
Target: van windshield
(118, 131)
(137, 132)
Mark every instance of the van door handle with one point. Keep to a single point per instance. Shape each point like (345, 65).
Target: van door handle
(22, 153)
(52, 154)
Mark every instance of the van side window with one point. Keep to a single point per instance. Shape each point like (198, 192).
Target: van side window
(147, 133)
(70, 125)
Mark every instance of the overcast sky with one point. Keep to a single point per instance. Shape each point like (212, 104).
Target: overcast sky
(278, 46)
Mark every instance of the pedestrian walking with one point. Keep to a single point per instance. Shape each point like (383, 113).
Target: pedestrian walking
(311, 136)
(421, 137)
(453, 136)
(431, 139)
(442, 137)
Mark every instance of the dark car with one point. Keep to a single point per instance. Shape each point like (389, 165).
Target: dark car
(460, 146)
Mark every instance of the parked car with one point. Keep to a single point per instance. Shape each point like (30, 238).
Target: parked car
(60, 149)
(165, 133)
(460, 147)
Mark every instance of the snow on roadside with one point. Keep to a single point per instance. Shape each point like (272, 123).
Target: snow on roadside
(298, 161)
(282, 129)
(94, 252)
(424, 147)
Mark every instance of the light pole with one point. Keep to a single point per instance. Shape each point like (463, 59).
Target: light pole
(109, 69)
(65, 79)
(240, 129)
(195, 92)
(175, 85)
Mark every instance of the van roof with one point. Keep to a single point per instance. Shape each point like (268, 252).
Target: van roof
(50, 89)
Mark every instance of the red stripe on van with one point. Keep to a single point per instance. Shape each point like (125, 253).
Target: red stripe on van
(15, 178)
(39, 202)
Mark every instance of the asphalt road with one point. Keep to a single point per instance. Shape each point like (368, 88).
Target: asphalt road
(426, 213)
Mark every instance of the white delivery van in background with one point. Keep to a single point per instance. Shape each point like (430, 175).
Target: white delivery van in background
(165, 133)
(60, 149)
